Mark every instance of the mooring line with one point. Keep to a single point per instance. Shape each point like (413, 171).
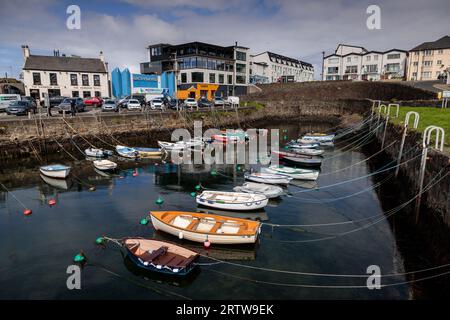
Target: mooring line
(13, 195)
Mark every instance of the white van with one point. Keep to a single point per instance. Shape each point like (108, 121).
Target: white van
(6, 99)
(233, 101)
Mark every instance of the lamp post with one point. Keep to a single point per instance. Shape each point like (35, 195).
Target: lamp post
(323, 64)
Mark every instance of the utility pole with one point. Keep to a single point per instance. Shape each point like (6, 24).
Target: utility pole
(176, 80)
(323, 65)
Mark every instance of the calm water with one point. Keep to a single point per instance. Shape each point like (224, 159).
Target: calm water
(36, 250)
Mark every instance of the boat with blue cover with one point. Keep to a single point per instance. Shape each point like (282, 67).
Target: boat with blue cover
(127, 152)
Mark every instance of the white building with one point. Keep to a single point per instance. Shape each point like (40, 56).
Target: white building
(64, 76)
(357, 63)
(268, 67)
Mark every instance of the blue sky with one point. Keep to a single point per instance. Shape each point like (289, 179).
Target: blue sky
(299, 29)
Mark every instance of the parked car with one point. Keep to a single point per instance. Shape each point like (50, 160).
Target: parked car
(140, 98)
(204, 103)
(7, 99)
(173, 103)
(28, 98)
(133, 104)
(110, 105)
(21, 107)
(156, 104)
(191, 103)
(122, 103)
(93, 101)
(219, 102)
(66, 105)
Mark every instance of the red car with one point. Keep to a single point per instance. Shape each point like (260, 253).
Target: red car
(93, 101)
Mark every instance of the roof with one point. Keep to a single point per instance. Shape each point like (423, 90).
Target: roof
(281, 57)
(364, 54)
(442, 43)
(74, 64)
(194, 43)
(349, 45)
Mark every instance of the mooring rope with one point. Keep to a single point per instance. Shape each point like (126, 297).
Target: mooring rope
(13, 195)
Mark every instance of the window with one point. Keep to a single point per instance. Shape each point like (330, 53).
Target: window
(372, 68)
(414, 74)
(428, 63)
(415, 63)
(97, 93)
(240, 79)
(36, 78)
(333, 70)
(440, 51)
(333, 60)
(355, 59)
(393, 56)
(96, 80)
(427, 52)
(241, 56)
(426, 74)
(155, 51)
(85, 80)
(349, 59)
(221, 78)
(230, 79)
(86, 94)
(212, 78)
(439, 62)
(351, 69)
(75, 94)
(393, 67)
(197, 76)
(368, 58)
(375, 57)
(416, 53)
(240, 67)
(73, 79)
(53, 79)
(183, 78)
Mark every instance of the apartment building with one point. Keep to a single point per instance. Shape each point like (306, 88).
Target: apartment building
(429, 60)
(350, 62)
(202, 69)
(59, 75)
(269, 67)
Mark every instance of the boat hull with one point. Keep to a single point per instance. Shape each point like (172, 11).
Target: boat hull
(310, 176)
(262, 179)
(59, 174)
(251, 205)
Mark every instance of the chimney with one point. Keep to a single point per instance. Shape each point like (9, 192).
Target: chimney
(26, 52)
(102, 57)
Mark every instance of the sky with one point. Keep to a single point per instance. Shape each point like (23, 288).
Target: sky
(122, 29)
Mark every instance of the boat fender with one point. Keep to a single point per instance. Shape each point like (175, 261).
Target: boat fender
(180, 235)
(51, 202)
(257, 203)
(248, 204)
(207, 244)
(144, 221)
(175, 270)
(159, 267)
(27, 212)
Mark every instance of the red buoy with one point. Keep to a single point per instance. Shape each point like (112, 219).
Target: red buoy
(27, 212)
(135, 174)
(207, 244)
(51, 202)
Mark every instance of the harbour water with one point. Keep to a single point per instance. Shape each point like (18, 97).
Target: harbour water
(37, 249)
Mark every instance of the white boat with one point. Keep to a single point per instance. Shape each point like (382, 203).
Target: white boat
(180, 145)
(127, 152)
(269, 178)
(307, 152)
(295, 173)
(55, 171)
(201, 227)
(232, 200)
(269, 191)
(96, 153)
(322, 137)
(105, 165)
(296, 145)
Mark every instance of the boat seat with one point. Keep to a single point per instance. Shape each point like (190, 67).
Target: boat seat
(186, 262)
(165, 260)
(154, 255)
(175, 262)
(193, 224)
(242, 228)
(215, 227)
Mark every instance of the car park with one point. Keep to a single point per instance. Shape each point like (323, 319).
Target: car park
(110, 105)
(6, 100)
(133, 104)
(191, 103)
(66, 105)
(93, 101)
(21, 107)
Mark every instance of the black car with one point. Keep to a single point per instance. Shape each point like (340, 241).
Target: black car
(30, 99)
(21, 107)
(204, 103)
(66, 105)
(172, 103)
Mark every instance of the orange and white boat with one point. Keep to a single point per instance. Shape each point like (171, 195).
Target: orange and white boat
(200, 227)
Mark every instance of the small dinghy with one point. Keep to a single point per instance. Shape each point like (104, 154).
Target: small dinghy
(127, 152)
(232, 200)
(105, 165)
(224, 138)
(295, 173)
(307, 152)
(299, 159)
(269, 178)
(311, 145)
(180, 145)
(322, 137)
(149, 152)
(269, 191)
(160, 256)
(55, 171)
(95, 153)
(201, 227)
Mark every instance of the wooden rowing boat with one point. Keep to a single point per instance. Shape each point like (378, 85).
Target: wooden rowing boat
(270, 178)
(270, 191)
(149, 152)
(55, 171)
(105, 165)
(160, 256)
(232, 200)
(295, 173)
(299, 159)
(200, 227)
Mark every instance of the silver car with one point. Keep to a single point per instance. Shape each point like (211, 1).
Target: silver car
(110, 105)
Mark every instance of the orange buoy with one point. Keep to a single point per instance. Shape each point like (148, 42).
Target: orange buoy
(27, 212)
(51, 202)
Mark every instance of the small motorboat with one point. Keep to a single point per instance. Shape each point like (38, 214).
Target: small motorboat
(95, 153)
(127, 152)
(232, 200)
(295, 173)
(55, 171)
(160, 256)
(322, 137)
(307, 152)
(303, 162)
(201, 227)
(224, 138)
(105, 165)
(269, 191)
(269, 178)
(149, 152)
